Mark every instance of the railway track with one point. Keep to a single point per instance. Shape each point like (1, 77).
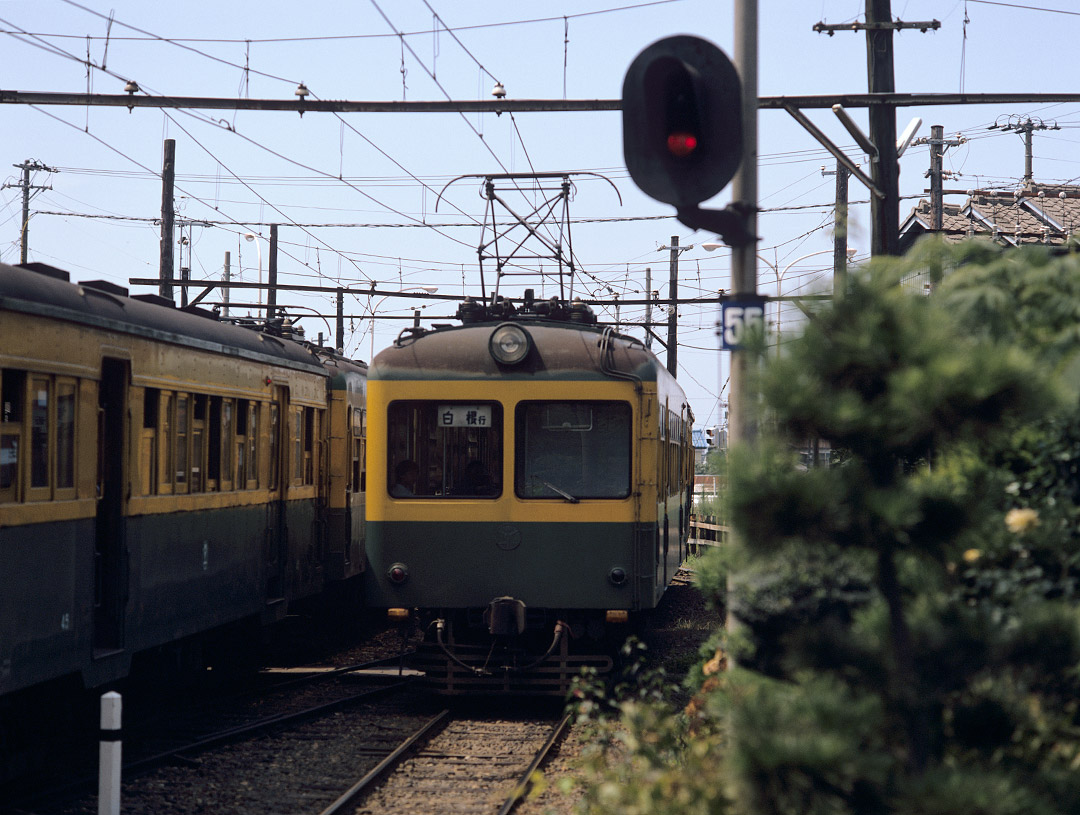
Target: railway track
(170, 733)
(366, 752)
(469, 765)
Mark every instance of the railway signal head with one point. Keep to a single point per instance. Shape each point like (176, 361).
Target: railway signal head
(682, 120)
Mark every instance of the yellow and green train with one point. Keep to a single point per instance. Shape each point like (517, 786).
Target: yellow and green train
(164, 477)
(528, 498)
(519, 484)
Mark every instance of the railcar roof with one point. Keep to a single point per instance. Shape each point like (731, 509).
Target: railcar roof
(47, 294)
(561, 351)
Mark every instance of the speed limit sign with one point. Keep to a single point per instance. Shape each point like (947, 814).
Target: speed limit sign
(736, 317)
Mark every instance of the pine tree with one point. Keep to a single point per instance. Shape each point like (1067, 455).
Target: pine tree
(872, 678)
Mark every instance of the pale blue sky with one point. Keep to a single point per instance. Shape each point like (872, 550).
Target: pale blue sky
(288, 167)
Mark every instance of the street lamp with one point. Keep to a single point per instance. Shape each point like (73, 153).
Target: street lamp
(249, 237)
(371, 309)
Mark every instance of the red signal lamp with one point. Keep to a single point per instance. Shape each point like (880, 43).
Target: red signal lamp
(682, 144)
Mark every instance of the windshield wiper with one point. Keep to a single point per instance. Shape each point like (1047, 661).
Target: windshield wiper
(553, 488)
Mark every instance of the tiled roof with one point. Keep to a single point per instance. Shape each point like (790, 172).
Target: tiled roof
(1040, 213)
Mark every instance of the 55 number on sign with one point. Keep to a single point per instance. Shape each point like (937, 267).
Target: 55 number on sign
(736, 319)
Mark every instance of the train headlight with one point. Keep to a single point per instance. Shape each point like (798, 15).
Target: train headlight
(617, 576)
(509, 344)
(398, 573)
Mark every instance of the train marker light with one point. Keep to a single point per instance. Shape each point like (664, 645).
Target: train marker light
(398, 573)
(397, 614)
(617, 576)
(617, 615)
(509, 344)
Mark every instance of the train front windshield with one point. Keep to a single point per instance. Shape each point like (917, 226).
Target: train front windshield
(445, 449)
(572, 450)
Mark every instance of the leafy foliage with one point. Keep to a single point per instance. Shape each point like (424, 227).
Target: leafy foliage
(908, 639)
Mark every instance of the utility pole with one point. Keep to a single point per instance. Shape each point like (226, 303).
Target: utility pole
(938, 144)
(271, 291)
(673, 314)
(168, 177)
(185, 271)
(840, 221)
(648, 307)
(885, 172)
(1026, 128)
(937, 195)
(26, 186)
(225, 277)
(340, 326)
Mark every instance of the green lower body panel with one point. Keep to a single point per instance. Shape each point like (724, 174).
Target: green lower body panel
(545, 565)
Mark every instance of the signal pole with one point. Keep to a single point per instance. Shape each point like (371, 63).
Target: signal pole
(26, 186)
(745, 193)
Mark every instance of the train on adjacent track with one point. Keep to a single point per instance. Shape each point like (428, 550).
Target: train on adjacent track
(518, 484)
(529, 492)
(164, 476)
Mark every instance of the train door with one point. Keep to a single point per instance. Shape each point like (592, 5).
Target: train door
(276, 532)
(110, 546)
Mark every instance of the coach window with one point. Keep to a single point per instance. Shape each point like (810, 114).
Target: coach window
(445, 449)
(12, 395)
(227, 445)
(166, 442)
(252, 438)
(239, 445)
(65, 438)
(181, 457)
(312, 445)
(148, 443)
(357, 447)
(40, 397)
(572, 450)
(275, 453)
(298, 446)
(198, 441)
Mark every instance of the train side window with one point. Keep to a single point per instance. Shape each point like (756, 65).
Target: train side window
(311, 432)
(65, 438)
(445, 449)
(226, 444)
(12, 396)
(149, 441)
(40, 452)
(167, 443)
(239, 445)
(275, 452)
(181, 456)
(252, 438)
(298, 446)
(568, 450)
(198, 442)
(356, 442)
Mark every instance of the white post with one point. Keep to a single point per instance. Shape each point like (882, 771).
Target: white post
(109, 755)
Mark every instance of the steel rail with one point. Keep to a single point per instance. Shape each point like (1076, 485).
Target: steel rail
(386, 764)
(524, 783)
(234, 733)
